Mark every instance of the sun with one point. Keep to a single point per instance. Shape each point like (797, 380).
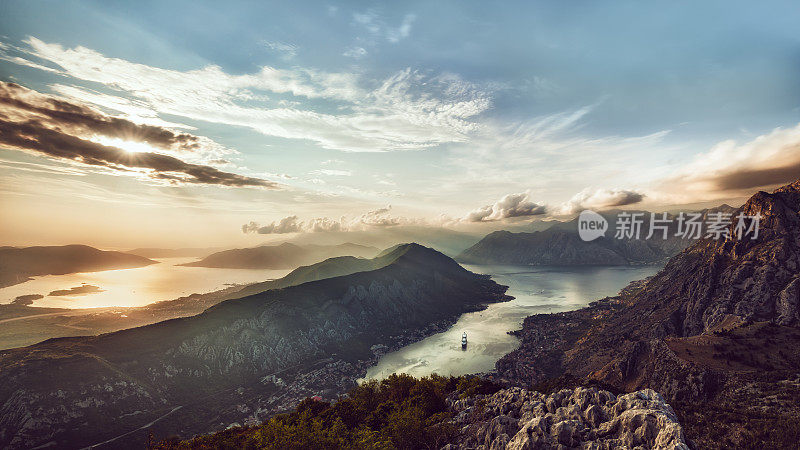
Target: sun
(128, 146)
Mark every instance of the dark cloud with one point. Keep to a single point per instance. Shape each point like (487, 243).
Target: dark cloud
(730, 169)
(758, 178)
(80, 119)
(51, 135)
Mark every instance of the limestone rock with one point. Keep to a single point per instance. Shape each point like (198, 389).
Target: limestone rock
(585, 418)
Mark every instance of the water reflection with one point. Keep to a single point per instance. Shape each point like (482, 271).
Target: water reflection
(133, 287)
(537, 290)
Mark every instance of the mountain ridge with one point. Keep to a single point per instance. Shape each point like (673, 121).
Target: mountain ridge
(560, 245)
(281, 256)
(233, 345)
(18, 264)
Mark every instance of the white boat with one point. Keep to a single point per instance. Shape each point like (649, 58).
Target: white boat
(464, 340)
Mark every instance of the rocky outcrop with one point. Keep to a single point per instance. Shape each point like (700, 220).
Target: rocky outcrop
(588, 418)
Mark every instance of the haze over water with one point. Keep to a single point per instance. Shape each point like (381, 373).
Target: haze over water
(536, 290)
(136, 287)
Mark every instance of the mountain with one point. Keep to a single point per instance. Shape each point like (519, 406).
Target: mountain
(560, 245)
(24, 325)
(18, 264)
(445, 240)
(716, 331)
(281, 256)
(330, 268)
(150, 252)
(242, 359)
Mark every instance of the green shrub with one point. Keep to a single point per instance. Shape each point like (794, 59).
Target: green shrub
(399, 412)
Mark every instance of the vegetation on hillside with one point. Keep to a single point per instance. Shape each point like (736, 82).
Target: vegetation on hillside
(400, 412)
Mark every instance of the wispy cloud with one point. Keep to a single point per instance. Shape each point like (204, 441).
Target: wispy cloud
(288, 51)
(332, 172)
(355, 52)
(403, 31)
(406, 111)
(548, 155)
(375, 25)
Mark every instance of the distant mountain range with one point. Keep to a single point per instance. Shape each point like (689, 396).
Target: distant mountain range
(153, 252)
(445, 240)
(18, 264)
(196, 374)
(281, 256)
(560, 245)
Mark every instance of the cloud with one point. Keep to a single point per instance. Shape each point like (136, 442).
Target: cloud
(332, 172)
(547, 154)
(378, 27)
(287, 50)
(31, 121)
(407, 111)
(403, 31)
(292, 224)
(380, 218)
(730, 169)
(600, 199)
(355, 52)
(135, 111)
(21, 102)
(511, 205)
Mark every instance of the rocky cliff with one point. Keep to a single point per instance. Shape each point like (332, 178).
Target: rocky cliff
(80, 391)
(721, 315)
(517, 419)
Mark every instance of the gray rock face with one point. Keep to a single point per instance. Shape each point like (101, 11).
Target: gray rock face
(585, 418)
(751, 279)
(710, 285)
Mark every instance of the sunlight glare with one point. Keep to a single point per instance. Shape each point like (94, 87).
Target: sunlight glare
(128, 146)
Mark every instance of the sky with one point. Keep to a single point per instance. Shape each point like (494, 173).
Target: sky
(127, 124)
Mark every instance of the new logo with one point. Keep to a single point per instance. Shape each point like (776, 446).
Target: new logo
(591, 225)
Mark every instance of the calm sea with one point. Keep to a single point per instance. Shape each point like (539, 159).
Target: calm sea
(537, 290)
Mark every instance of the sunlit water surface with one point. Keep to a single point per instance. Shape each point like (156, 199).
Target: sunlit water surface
(537, 290)
(135, 287)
